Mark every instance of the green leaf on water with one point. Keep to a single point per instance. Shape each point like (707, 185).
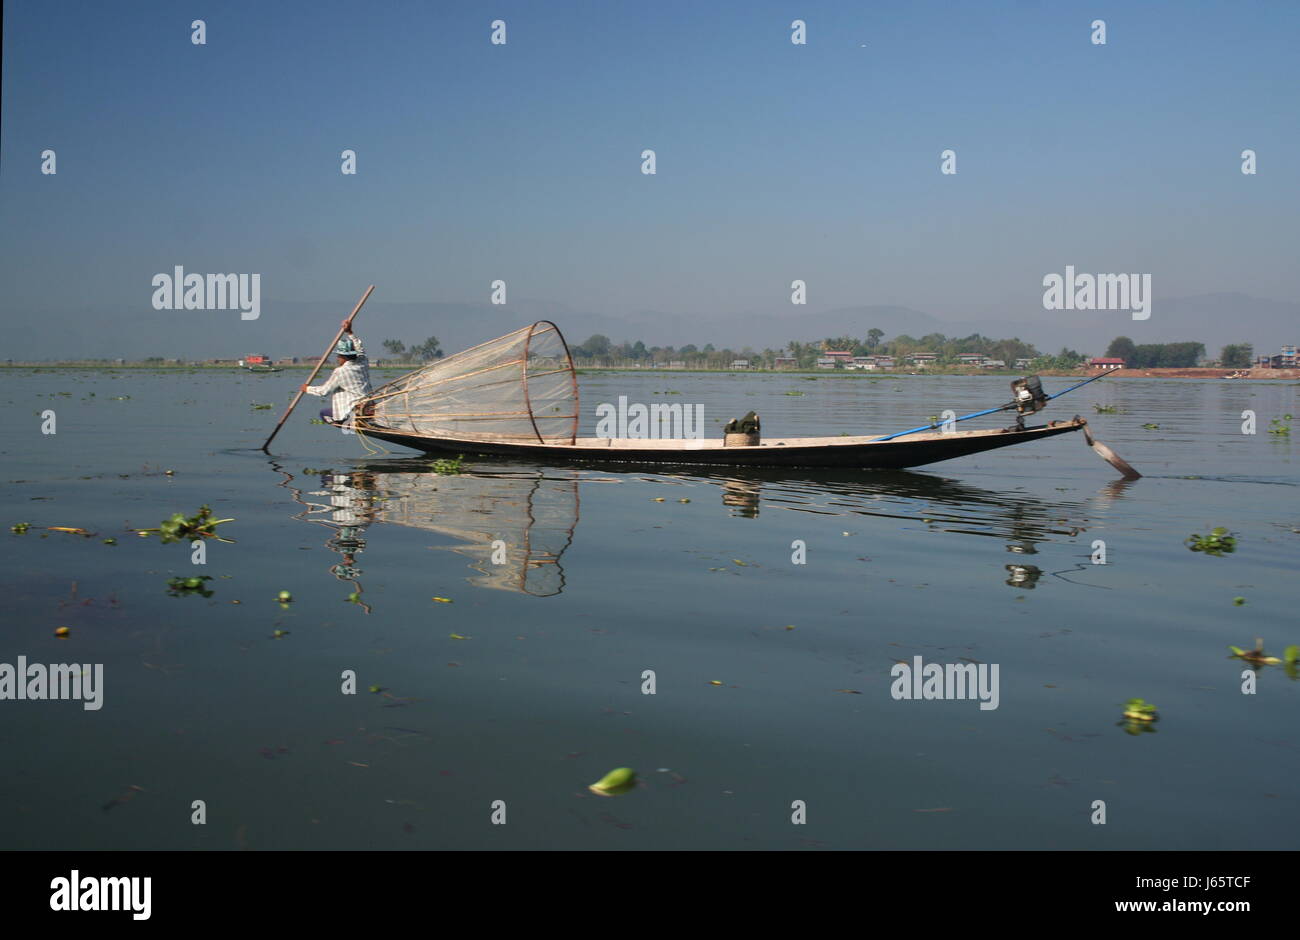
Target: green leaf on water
(616, 782)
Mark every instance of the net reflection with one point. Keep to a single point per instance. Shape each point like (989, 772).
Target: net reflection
(515, 525)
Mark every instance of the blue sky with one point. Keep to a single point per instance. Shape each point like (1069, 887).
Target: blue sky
(522, 161)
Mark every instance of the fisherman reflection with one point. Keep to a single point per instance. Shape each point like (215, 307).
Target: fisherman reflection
(351, 508)
(1023, 576)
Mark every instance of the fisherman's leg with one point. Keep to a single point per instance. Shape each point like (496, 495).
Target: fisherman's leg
(327, 415)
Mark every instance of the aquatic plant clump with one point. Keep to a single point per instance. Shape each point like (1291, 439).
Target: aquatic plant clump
(449, 467)
(179, 528)
(1219, 542)
(1136, 709)
(179, 587)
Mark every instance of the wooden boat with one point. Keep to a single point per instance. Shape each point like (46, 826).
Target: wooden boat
(859, 452)
(517, 396)
(260, 369)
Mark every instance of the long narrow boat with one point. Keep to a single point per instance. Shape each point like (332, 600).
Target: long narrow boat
(517, 396)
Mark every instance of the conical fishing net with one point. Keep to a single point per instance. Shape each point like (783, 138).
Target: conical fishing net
(518, 387)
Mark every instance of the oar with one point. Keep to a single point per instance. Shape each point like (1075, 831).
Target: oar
(329, 349)
(988, 411)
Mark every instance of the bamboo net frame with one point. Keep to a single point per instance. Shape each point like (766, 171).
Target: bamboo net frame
(517, 387)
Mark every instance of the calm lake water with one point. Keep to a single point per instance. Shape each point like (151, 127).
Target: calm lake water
(527, 687)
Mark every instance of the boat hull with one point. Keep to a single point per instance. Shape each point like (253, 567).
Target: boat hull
(859, 453)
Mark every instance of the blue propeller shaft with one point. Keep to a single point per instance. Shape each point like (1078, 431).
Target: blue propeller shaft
(987, 411)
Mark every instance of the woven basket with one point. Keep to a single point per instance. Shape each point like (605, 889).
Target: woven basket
(740, 440)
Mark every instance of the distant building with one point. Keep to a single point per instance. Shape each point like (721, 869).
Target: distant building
(994, 364)
(1105, 364)
(785, 362)
(864, 362)
(677, 364)
(1286, 359)
(884, 362)
(740, 363)
(970, 359)
(826, 362)
(287, 361)
(1023, 362)
(923, 360)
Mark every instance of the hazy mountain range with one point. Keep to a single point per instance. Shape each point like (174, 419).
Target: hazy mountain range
(297, 328)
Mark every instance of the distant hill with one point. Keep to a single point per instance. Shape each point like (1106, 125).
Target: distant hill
(296, 328)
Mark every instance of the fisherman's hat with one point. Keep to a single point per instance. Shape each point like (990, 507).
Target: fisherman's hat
(347, 346)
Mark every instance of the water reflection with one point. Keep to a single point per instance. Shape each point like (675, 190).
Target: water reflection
(344, 504)
(516, 524)
(1024, 520)
(515, 521)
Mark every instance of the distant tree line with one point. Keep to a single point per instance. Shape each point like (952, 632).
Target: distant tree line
(424, 352)
(599, 350)
(1237, 356)
(1156, 355)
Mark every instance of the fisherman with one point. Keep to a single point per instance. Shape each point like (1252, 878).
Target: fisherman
(349, 383)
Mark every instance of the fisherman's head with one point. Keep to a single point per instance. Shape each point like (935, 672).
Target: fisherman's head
(346, 350)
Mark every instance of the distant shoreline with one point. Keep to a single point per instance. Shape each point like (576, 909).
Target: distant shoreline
(1275, 375)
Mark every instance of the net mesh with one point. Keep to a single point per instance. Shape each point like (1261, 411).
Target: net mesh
(518, 387)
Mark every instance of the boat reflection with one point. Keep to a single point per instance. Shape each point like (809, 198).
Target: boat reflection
(515, 524)
(514, 521)
(1020, 518)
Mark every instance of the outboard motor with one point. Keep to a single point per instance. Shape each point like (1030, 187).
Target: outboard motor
(1029, 395)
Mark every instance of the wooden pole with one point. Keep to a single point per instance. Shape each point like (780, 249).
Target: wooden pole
(334, 342)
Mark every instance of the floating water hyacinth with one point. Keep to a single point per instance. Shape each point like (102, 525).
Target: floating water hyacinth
(1219, 542)
(178, 528)
(1137, 709)
(178, 587)
(614, 783)
(1257, 655)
